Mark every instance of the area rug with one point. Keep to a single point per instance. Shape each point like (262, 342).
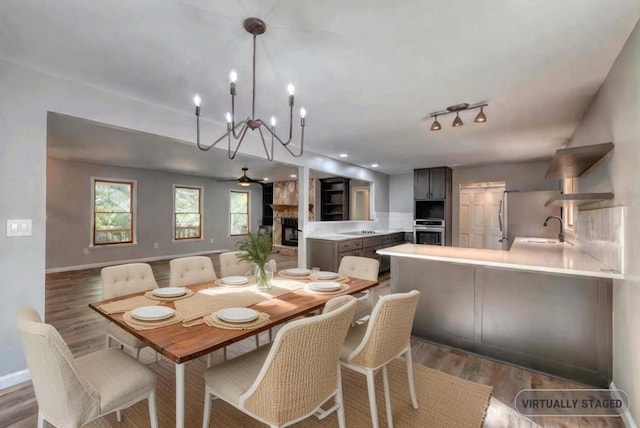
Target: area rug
(444, 402)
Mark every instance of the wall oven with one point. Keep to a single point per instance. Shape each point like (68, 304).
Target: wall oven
(428, 232)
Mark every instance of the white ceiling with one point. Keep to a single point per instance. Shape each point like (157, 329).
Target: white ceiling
(367, 71)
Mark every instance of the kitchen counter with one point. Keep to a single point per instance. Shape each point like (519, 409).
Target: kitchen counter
(341, 236)
(543, 305)
(558, 258)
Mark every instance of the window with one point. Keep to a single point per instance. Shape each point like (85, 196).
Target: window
(567, 188)
(239, 212)
(187, 212)
(112, 212)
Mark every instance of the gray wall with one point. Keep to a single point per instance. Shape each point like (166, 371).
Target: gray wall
(523, 176)
(401, 193)
(614, 116)
(69, 214)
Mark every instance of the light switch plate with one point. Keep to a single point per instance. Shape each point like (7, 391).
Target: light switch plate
(19, 227)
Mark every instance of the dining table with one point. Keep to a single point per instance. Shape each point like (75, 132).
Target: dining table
(180, 343)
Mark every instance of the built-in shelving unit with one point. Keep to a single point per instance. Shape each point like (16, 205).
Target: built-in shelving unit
(267, 200)
(578, 199)
(574, 161)
(334, 199)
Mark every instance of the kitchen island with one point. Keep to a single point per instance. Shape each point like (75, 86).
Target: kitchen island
(543, 304)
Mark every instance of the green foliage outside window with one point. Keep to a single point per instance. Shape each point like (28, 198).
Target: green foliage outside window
(113, 214)
(239, 212)
(187, 213)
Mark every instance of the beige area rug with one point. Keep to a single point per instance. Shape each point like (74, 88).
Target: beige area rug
(444, 402)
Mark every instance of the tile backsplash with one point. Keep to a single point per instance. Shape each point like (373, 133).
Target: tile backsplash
(600, 233)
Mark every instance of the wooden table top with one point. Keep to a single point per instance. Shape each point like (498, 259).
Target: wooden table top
(181, 344)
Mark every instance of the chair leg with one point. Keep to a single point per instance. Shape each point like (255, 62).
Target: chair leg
(224, 353)
(137, 353)
(371, 386)
(40, 420)
(153, 411)
(108, 341)
(207, 408)
(340, 402)
(270, 336)
(412, 388)
(119, 415)
(387, 396)
(257, 336)
(209, 360)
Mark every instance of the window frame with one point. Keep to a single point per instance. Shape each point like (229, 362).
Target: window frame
(133, 184)
(248, 192)
(200, 190)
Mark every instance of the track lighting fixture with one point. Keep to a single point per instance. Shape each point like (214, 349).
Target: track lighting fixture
(480, 118)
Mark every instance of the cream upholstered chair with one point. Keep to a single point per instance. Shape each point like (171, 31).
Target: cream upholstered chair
(231, 265)
(119, 281)
(371, 346)
(288, 381)
(363, 268)
(71, 392)
(191, 270)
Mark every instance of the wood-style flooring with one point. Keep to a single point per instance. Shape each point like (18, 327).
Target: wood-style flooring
(68, 294)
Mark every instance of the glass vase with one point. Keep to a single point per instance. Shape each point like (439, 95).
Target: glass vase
(264, 275)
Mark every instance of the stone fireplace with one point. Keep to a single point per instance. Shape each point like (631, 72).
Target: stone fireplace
(285, 214)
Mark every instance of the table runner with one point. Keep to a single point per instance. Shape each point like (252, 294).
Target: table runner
(211, 300)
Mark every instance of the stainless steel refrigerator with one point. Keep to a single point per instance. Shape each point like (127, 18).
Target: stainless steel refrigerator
(523, 214)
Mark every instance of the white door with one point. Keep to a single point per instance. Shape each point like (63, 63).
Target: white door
(479, 227)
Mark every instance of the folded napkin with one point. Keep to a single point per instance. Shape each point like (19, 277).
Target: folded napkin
(127, 304)
(212, 320)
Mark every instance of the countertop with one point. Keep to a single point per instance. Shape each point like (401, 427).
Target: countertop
(343, 236)
(558, 258)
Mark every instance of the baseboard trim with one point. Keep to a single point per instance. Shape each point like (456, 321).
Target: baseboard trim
(627, 419)
(14, 378)
(141, 260)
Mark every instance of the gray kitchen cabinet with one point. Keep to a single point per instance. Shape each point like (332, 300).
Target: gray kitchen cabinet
(431, 183)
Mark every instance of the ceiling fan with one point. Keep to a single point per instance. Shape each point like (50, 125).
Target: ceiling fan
(245, 180)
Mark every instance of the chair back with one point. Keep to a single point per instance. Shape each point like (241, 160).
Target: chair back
(127, 279)
(191, 270)
(359, 267)
(64, 398)
(231, 265)
(301, 370)
(388, 331)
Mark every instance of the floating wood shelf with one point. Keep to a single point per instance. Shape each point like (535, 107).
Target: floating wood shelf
(578, 199)
(574, 161)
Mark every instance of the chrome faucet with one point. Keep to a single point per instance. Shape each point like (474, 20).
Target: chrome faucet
(560, 235)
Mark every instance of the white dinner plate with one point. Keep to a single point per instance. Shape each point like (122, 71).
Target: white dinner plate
(152, 313)
(169, 292)
(325, 286)
(237, 314)
(297, 272)
(324, 275)
(235, 280)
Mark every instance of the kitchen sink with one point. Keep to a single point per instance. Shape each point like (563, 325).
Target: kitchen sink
(360, 233)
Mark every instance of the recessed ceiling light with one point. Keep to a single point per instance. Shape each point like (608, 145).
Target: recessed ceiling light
(293, 176)
(344, 155)
(265, 179)
(374, 165)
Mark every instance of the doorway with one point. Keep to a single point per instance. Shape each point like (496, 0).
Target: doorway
(479, 215)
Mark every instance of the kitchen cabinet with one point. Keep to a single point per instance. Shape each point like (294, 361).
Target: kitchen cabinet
(334, 199)
(431, 183)
(327, 254)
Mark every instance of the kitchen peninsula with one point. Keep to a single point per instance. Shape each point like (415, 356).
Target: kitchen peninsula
(544, 305)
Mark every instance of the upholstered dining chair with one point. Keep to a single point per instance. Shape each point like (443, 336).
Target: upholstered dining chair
(386, 336)
(119, 281)
(363, 268)
(288, 381)
(231, 265)
(71, 392)
(191, 270)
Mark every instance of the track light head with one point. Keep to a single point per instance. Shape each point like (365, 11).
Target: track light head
(481, 117)
(457, 121)
(435, 126)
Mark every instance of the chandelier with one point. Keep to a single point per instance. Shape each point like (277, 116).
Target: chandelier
(238, 130)
(480, 117)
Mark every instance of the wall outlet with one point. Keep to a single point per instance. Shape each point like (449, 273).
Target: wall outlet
(156, 245)
(211, 240)
(85, 251)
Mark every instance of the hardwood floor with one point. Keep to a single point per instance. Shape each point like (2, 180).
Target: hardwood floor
(67, 296)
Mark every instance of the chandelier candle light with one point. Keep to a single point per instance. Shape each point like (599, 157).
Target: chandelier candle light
(255, 27)
(480, 118)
